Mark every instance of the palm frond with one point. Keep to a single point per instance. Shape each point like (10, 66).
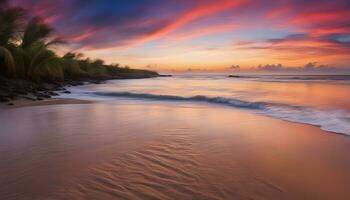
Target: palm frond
(10, 25)
(55, 41)
(36, 31)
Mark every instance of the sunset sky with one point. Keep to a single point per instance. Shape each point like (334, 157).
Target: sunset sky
(203, 34)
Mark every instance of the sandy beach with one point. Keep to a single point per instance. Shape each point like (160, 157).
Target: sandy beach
(133, 150)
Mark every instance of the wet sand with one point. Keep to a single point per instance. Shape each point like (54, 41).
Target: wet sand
(134, 150)
(55, 101)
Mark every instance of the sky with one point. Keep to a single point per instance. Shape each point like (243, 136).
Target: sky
(211, 35)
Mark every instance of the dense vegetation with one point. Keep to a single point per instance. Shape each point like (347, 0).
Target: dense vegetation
(26, 53)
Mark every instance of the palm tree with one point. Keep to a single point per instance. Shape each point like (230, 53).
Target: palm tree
(36, 31)
(38, 59)
(10, 25)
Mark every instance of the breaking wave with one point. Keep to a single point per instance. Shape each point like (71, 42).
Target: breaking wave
(330, 120)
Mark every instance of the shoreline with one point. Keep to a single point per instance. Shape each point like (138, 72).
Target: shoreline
(19, 103)
(23, 102)
(13, 91)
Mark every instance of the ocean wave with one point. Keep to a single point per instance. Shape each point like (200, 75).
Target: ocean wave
(337, 121)
(197, 98)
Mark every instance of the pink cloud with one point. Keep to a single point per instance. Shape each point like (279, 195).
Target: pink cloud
(202, 31)
(199, 11)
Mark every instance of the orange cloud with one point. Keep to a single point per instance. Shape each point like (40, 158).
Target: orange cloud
(299, 47)
(321, 17)
(318, 31)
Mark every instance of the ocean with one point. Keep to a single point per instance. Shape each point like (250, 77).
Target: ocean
(320, 100)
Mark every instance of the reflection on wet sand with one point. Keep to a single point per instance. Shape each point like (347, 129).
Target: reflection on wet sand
(163, 151)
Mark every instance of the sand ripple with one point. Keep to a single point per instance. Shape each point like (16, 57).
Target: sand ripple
(161, 170)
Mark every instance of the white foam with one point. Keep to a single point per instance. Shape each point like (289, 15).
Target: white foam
(329, 120)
